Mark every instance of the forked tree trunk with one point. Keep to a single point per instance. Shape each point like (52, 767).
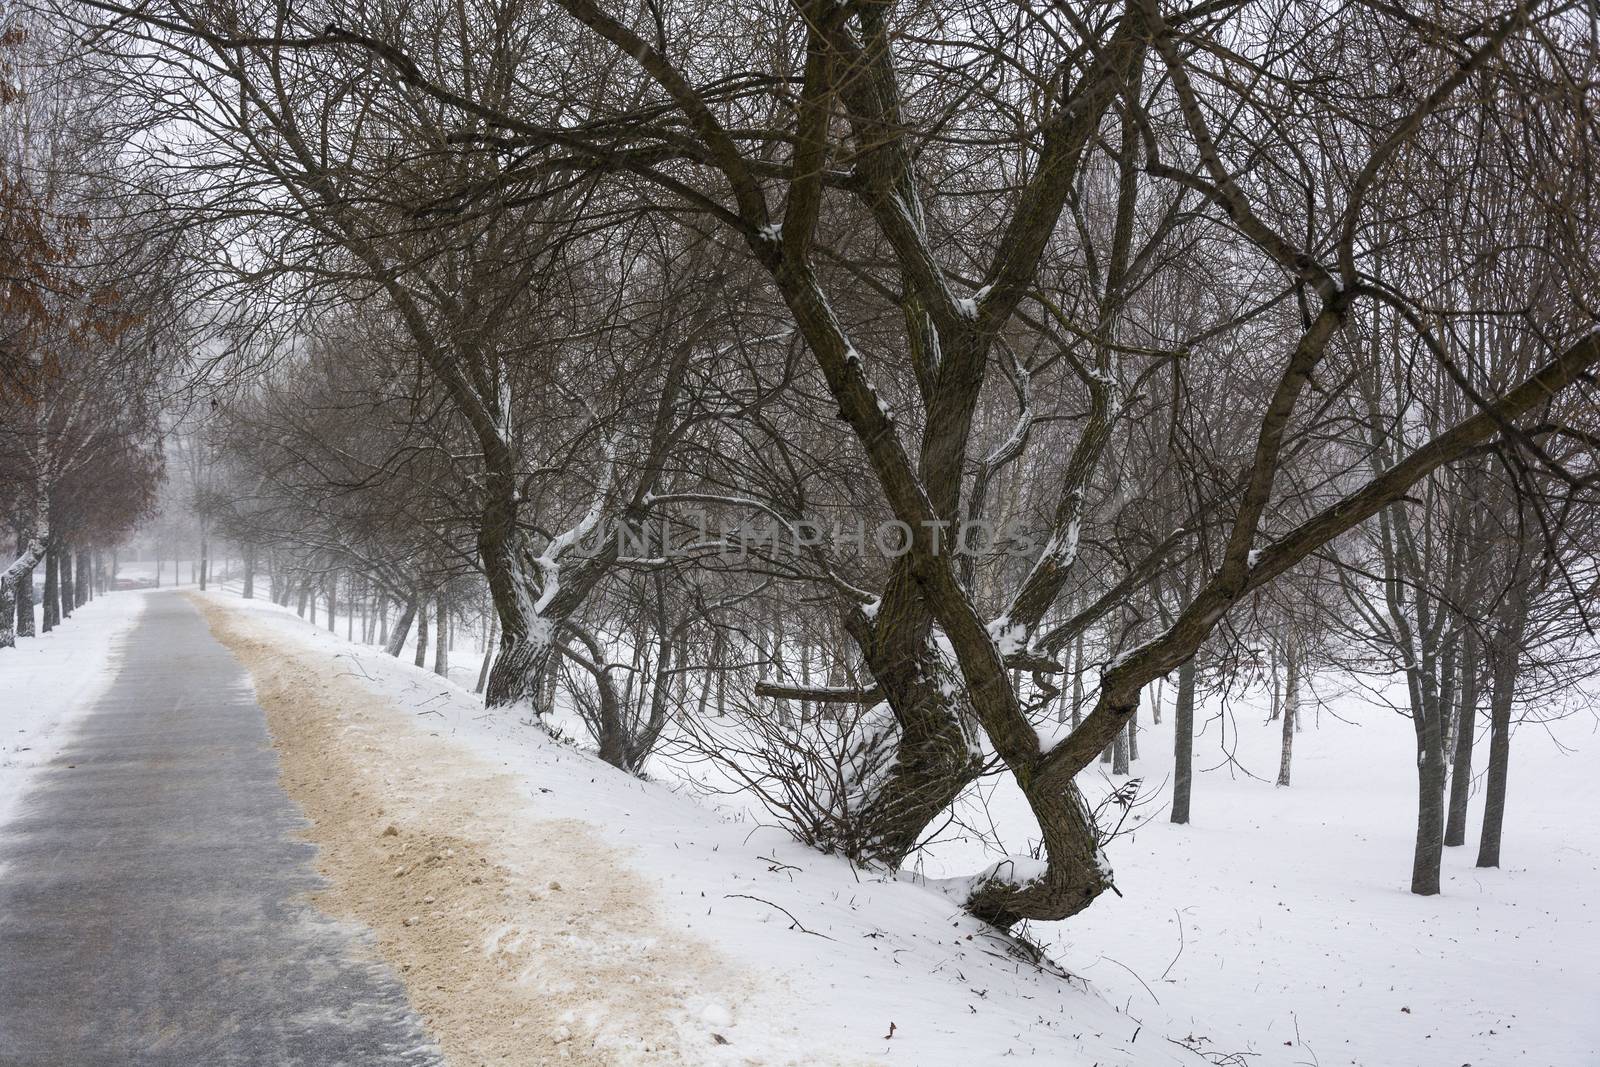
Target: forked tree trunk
(1183, 743)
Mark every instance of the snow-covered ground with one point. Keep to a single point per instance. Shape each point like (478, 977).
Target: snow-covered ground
(867, 969)
(1277, 925)
(1276, 929)
(47, 681)
(1285, 913)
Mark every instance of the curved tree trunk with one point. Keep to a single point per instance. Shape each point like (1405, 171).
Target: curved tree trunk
(23, 564)
(395, 642)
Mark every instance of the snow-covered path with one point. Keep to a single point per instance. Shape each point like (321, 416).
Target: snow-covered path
(153, 888)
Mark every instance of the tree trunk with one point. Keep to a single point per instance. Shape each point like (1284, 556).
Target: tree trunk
(333, 603)
(1430, 813)
(1183, 743)
(24, 594)
(249, 572)
(1455, 827)
(1119, 752)
(422, 632)
(396, 641)
(1290, 709)
(488, 654)
(1427, 721)
(303, 595)
(52, 589)
(441, 638)
(205, 558)
(1077, 682)
(69, 595)
(23, 564)
(1502, 694)
(83, 587)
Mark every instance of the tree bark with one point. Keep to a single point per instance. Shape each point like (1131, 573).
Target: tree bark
(1427, 721)
(421, 659)
(83, 587)
(52, 588)
(488, 653)
(1455, 827)
(402, 628)
(1430, 817)
(1290, 709)
(1502, 695)
(1183, 743)
(441, 638)
(24, 593)
(23, 564)
(69, 595)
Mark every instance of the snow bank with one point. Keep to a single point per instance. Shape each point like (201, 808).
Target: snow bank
(47, 682)
(870, 969)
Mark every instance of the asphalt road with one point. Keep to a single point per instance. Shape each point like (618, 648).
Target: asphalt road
(153, 902)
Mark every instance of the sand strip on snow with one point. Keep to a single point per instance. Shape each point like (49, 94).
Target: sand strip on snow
(519, 940)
